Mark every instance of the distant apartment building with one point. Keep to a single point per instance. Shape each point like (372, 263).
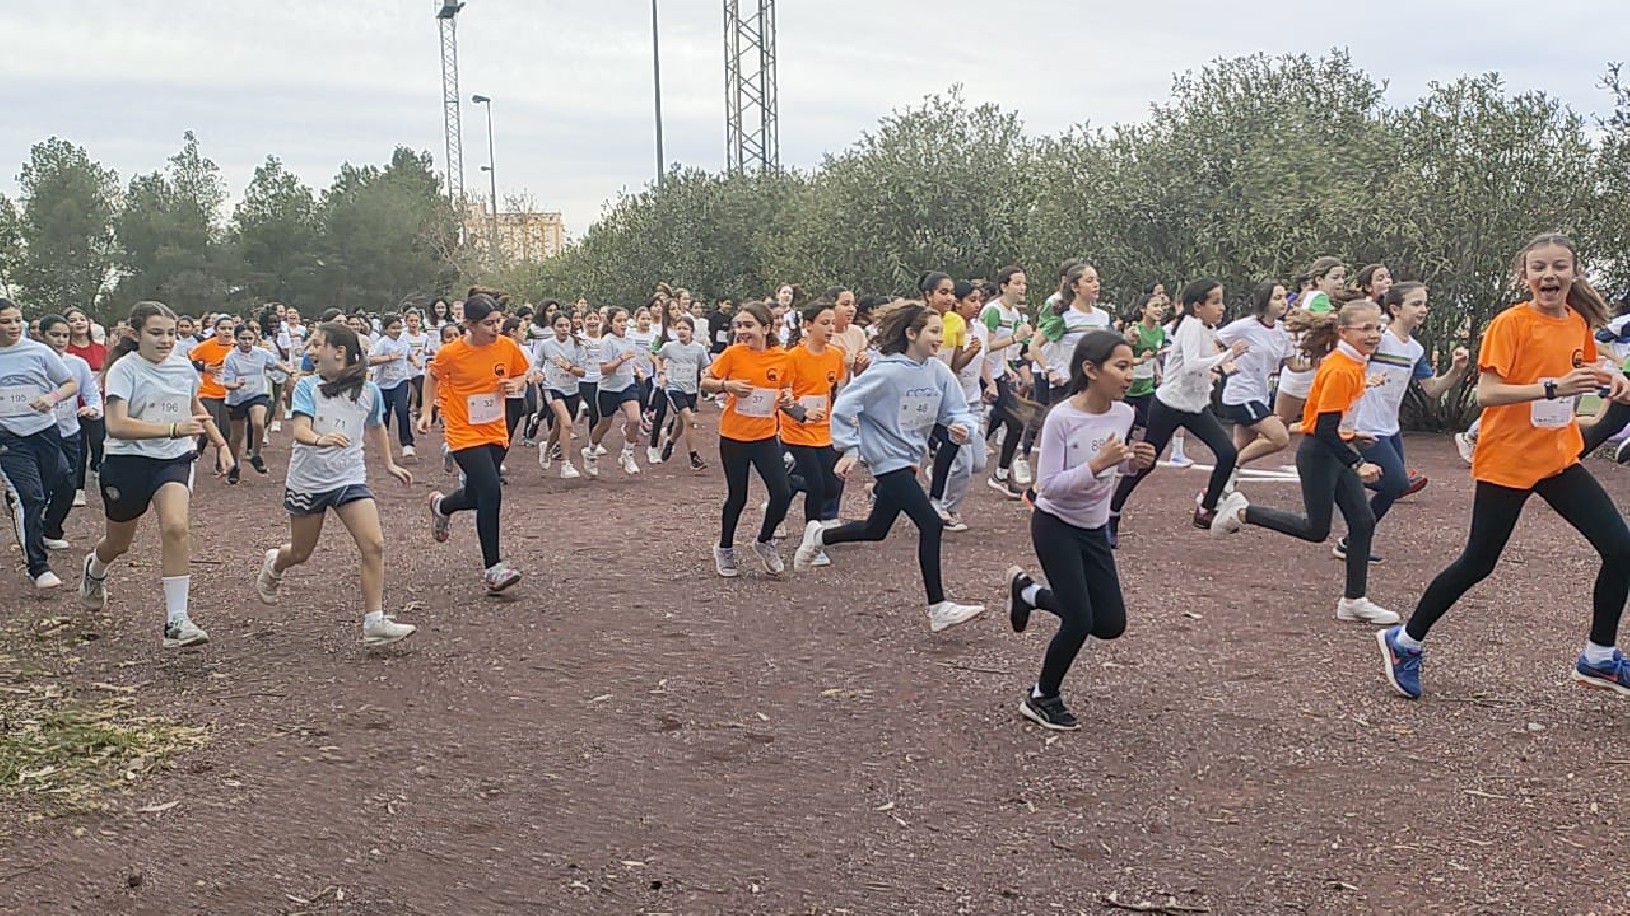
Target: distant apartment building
(523, 235)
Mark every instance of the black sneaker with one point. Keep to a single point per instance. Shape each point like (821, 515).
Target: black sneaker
(232, 475)
(1621, 452)
(1018, 609)
(258, 463)
(1049, 712)
(668, 452)
(1340, 551)
(696, 463)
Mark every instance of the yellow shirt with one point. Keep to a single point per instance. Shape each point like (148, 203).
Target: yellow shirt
(956, 331)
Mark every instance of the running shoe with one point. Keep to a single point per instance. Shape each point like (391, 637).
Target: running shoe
(821, 559)
(949, 614)
(386, 631)
(810, 548)
(46, 581)
(1340, 551)
(568, 472)
(441, 526)
(232, 475)
(667, 449)
(1403, 666)
(653, 455)
(79, 499)
(266, 584)
(1003, 487)
(1203, 517)
(1181, 461)
(277, 426)
(408, 451)
(546, 458)
(259, 463)
(1621, 452)
(630, 466)
(500, 576)
(1363, 610)
(591, 461)
(599, 450)
(528, 442)
(1417, 482)
(770, 556)
(1467, 447)
(1021, 471)
(1614, 676)
(955, 524)
(1049, 712)
(724, 561)
(697, 464)
(1230, 515)
(184, 633)
(1018, 609)
(55, 544)
(93, 592)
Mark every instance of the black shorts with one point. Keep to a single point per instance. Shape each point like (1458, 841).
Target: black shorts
(296, 503)
(1248, 414)
(128, 482)
(681, 400)
(612, 401)
(572, 401)
(241, 411)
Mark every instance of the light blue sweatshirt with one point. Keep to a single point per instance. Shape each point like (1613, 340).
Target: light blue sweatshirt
(887, 412)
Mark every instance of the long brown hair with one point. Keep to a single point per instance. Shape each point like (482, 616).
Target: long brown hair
(1321, 332)
(1582, 297)
(895, 319)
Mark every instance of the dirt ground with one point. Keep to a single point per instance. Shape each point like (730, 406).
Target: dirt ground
(628, 733)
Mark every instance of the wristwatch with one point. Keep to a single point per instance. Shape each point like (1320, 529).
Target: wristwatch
(1550, 389)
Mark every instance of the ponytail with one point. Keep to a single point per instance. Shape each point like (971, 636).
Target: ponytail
(354, 377)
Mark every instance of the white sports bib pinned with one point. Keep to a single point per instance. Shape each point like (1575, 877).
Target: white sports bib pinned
(919, 408)
(484, 408)
(1554, 413)
(760, 403)
(340, 415)
(166, 409)
(813, 402)
(15, 400)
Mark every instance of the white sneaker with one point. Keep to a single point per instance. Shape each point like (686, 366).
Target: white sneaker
(949, 614)
(599, 450)
(47, 580)
(93, 590)
(629, 465)
(821, 559)
(1466, 446)
(546, 458)
(591, 461)
(266, 584)
(954, 523)
(770, 556)
(79, 498)
(385, 632)
(1363, 610)
(184, 633)
(1230, 517)
(1021, 471)
(724, 561)
(409, 451)
(55, 544)
(568, 472)
(653, 455)
(500, 576)
(810, 549)
(277, 426)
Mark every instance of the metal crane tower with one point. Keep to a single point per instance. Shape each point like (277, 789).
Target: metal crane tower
(752, 131)
(447, 16)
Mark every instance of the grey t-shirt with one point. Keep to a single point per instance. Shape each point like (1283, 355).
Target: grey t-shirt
(684, 364)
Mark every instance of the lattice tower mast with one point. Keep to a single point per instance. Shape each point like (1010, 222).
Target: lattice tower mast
(752, 129)
(452, 122)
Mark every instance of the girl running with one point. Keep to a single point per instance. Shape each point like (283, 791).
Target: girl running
(1183, 401)
(752, 372)
(469, 379)
(243, 375)
(1536, 360)
(679, 372)
(1332, 471)
(154, 418)
(588, 386)
(1004, 318)
(83, 344)
(619, 394)
(561, 358)
(392, 361)
(209, 358)
(334, 411)
(33, 465)
(419, 349)
(1327, 278)
(814, 372)
(1084, 442)
(884, 417)
(1258, 431)
(1147, 338)
(71, 413)
(969, 365)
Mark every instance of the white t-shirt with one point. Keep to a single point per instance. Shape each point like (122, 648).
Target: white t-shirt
(593, 349)
(1392, 367)
(969, 376)
(611, 347)
(249, 368)
(67, 409)
(155, 393)
(419, 345)
(1270, 347)
(555, 378)
(1001, 321)
(1193, 355)
(321, 469)
(645, 340)
(28, 369)
(399, 369)
(1076, 325)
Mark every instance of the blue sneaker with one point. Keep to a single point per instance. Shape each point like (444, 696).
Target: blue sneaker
(1614, 676)
(1403, 666)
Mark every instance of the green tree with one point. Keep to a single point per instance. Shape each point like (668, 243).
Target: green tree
(170, 235)
(65, 225)
(276, 236)
(386, 234)
(11, 244)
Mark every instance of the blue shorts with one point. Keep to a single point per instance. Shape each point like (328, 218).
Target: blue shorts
(681, 400)
(296, 503)
(128, 482)
(1248, 414)
(610, 402)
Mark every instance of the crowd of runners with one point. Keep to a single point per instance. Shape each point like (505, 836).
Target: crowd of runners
(1059, 405)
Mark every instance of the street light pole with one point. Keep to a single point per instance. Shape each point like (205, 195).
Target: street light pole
(491, 168)
(656, 82)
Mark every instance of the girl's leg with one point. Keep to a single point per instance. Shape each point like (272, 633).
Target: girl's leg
(1261, 440)
(61, 498)
(172, 506)
(1288, 408)
(1577, 496)
(404, 413)
(514, 411)
(361, 518)
(686, 421)
(733, 457)
(1354, 504)
(1162, 423)
(970, 461)
(1608, 425)
(1495, 510)
(1204, 425)
(1319, 472)
(234, 439)
(115, 543)
(482, 493)
(631, 425)
(659, 408)
(944, 456)
(1084, 591)
(304, 532)
(1388, 454)
(899, 491)
(807, 459)
(772, 469)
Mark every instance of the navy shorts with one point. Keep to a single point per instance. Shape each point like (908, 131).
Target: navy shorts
(681, 400)
(612, 401)
(1248, 414)
(128, 482)
(296, 503)
(241, 411)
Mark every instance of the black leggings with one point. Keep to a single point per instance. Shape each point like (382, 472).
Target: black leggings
(897, 492)
(481, 492)
(739, 458)
(1002, 415)
(1085, 591)
(1327, 484)
(658, 404)
(1164, 422)
(590, 393)
(92, 433)
(944, 457)
(1582, 503)
(1605, 428)
(815, 464)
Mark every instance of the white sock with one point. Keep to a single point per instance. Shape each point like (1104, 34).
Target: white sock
(372, 617)
(1598, 655)
(1404, 640)
(175, 597)
(1030, 594)
(1001, 473)
(98, 568)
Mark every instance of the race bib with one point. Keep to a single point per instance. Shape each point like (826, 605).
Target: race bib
(14, 400)
(340, 415)
(919, 408)
(813, 402)
(1552, 414)
(167, 409)
(722, 335)
(485, 408)
(761, 403)
(66, 409)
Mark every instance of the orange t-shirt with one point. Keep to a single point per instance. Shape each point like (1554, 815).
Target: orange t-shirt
(1337, 386)
(1522, 444)
(752, 417)
(212, 353)
(812, 379)
(468, 380)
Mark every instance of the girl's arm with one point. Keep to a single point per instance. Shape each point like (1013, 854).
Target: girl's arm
(850, 403)
(379, 442)
(1198, 353)
(1327, 430)
(1435, 387)
(1492, 391)
(210, 430)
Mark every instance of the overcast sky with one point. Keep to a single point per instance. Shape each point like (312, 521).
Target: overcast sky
(320, 82)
